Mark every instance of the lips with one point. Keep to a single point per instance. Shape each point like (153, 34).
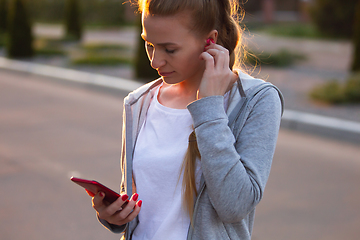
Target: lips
(165, 74)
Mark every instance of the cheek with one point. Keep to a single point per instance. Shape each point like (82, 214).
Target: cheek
(191, 61)
(149, 52)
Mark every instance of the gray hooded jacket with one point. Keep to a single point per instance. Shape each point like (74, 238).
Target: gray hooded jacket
(236, 146)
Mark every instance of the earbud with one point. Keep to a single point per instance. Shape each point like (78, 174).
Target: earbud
(209, 40)
(208, 43)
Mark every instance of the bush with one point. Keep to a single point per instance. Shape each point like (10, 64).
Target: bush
(100, 47)
(335, 93)
(334, 17)
(293, 29)
(330, 92)
(352, 89)
(72, 20)
(100, 60)
(283, 58)
(48, 47)
(19, 41)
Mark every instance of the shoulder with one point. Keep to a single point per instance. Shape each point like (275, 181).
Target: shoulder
(141, 91)
(248, 82)
(258, 90)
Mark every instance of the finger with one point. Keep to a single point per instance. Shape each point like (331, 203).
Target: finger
(135, 212)
(118, 204)
(130, 205)
(218, 47)
(209, 60)
(221, 58)
(107, 211)
(98, 200)
(119, 220)
(91, 194)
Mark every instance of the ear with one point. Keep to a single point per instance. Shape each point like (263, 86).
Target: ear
(213, 35)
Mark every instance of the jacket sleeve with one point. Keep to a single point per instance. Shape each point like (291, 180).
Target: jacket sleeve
(111, 227)
(236, 169)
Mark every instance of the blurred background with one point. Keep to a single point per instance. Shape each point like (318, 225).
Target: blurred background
(52, 128)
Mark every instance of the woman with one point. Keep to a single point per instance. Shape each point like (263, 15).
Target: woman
(198, 168)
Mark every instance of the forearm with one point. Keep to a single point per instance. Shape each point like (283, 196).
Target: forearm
(235, 170)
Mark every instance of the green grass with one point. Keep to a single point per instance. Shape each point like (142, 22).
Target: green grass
(98, 47)
(282, 58)
(330, 92)
(333, 92)
(101, 60)
(104, 55)
(298, 30)
(49, 47)
(288, 29)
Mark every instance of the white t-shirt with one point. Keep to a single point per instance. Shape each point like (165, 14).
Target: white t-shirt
(158, 156)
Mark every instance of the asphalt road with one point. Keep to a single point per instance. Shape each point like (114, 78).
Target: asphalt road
(50, 131)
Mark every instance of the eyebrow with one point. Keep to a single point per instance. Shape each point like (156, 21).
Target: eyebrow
(160, 44)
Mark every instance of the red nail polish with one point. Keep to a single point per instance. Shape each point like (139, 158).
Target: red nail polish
(139, 203)
(212, 40)
(208, 41)
(124, 197)
(101, 194)
(135, 197)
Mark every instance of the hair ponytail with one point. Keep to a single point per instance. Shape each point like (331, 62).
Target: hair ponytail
(188, 169)
(229, 31)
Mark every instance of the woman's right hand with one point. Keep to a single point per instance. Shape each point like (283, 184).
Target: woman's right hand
(116, 213)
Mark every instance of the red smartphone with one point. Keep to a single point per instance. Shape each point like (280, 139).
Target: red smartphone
(95, 187)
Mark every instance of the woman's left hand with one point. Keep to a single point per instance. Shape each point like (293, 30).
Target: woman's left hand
(217, 76)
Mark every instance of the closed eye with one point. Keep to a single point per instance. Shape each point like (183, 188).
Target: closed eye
(169, 51)
(149, 45)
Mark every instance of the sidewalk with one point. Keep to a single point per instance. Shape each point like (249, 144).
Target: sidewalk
(326, 60)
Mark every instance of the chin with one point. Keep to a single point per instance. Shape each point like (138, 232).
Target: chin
(171, 80)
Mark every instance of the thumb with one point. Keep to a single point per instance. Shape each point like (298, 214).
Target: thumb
(98, 199)
(91, 194)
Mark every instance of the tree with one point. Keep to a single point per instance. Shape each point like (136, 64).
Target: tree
(334, 17)
(143, 69)
(356, 57)
(72, 20)
(3, 15)
(19, 41)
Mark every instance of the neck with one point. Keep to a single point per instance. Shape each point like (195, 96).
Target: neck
(178, 95)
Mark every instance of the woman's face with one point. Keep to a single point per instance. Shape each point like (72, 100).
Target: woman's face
(172, 49)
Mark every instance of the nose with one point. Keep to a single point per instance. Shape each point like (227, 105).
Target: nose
(157, 60)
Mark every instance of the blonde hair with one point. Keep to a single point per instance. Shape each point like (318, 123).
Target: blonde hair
(206, 15)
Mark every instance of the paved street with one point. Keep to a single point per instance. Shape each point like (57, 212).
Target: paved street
(50, 131)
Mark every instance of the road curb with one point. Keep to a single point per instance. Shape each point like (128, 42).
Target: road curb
(69, 75)
(295, 120)
(322, 125)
